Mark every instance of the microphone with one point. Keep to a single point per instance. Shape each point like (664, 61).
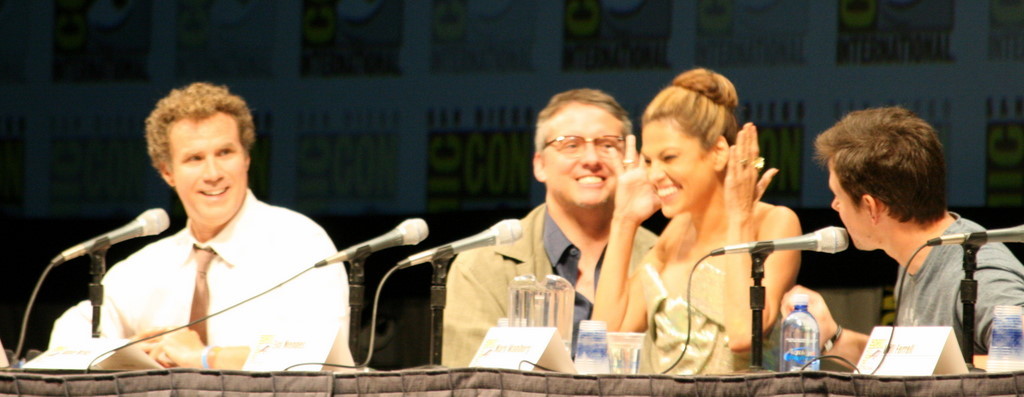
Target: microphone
(1007, 235)
(151, 222)
(409, 232)
(830, 240)
(504, 232)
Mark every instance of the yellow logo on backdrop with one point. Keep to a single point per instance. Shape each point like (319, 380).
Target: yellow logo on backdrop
(782, 147)
(478, 167)
(319, 24)
(96, 171)
(714, 16)
(857, 14)
(582, 17)
(449, 20)
(347, 166)
(1004, 182)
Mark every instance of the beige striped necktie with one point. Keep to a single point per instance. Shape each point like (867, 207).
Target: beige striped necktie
(201, 295)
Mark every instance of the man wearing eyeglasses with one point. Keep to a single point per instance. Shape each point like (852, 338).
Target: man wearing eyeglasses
(579, 142)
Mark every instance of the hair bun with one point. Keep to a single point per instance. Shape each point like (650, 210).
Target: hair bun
(709, 84)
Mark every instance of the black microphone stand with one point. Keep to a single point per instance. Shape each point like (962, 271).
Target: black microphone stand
(440, 262)
(757, 258)
(968, 296)
(97, 269)
(356, 296)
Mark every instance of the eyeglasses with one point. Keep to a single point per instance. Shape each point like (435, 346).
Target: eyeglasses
(574, 146)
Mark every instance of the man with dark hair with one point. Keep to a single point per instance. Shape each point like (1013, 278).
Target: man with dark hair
(579, 152)
(888, 175)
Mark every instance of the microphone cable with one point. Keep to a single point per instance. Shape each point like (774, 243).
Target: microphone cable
(373, 316)
(831, 357)
(373, 327)
(247, 300)
(152, 222)
(895, 318)
(689, 313)
(31, 302)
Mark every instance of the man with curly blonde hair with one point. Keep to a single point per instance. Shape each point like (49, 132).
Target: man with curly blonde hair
(233, 247)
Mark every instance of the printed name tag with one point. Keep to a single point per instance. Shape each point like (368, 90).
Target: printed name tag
(913, 351)
(520, 348)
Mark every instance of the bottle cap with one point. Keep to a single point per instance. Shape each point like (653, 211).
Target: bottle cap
(799, 299)
(1007, 310)
(593, 325)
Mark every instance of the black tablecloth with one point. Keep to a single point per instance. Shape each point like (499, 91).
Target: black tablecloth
(491, 382)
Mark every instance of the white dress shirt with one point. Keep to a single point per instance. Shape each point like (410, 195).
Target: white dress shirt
(262, 246)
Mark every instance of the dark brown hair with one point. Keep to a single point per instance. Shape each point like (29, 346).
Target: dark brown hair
(891, 154)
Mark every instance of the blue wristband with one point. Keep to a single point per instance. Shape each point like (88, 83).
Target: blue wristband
(206, 356)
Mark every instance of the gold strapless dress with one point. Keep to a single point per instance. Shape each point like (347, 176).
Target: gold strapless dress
(708, 352)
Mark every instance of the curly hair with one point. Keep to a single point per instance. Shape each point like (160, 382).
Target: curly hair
(197, 101)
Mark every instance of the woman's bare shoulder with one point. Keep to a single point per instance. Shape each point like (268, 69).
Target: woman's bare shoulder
(776, 219)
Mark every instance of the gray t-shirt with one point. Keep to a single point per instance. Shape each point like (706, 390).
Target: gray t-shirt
(932, 296)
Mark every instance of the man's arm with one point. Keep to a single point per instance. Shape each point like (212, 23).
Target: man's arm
(850, 344)
(183, 348)
(1000, 282)
(473, 305)
(616, 301)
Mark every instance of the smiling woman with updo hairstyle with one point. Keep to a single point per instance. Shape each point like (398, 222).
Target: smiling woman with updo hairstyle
(703, 171)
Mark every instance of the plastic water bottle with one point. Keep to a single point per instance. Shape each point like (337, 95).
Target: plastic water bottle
(1005, 351)
(800, 343)
(592, 348)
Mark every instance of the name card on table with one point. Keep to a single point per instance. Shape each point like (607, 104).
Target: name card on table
(84, 351)
(521, 348)
(914, 351)
(275, 352)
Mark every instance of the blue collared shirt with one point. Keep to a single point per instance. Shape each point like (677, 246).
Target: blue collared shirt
(565, 258)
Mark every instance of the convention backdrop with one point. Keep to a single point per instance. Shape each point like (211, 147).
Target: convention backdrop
(402, 107)
(370, 111)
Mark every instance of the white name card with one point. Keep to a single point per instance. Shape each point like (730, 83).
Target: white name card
(85, 351)
(914, 351)
(520, 348)
(275, 352)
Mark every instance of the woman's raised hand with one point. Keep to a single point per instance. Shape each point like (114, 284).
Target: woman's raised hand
(743, 187)
(635, 196)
